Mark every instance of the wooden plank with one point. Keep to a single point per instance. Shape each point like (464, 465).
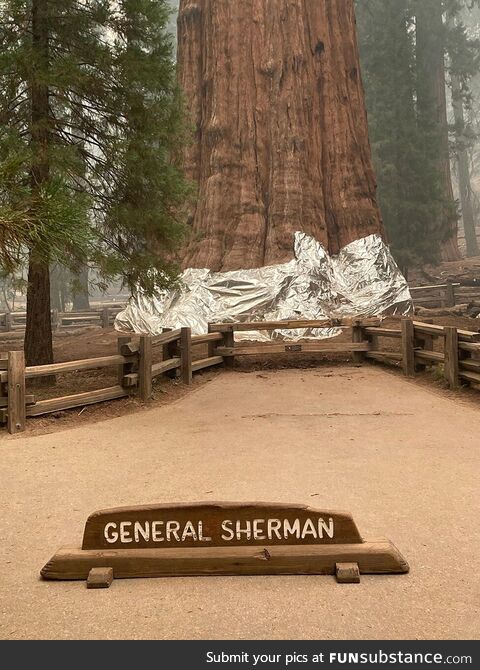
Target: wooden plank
(469, 376)
(357, 337)
(16, 408)
(171, 350)
(186, 355)
(145, 368)
(165, 366)
(228, 345)
(472, 347)
(450, 295)
(292, 324)
(76, 400)
(438, 331)
(408, 351)
(105, 317)
(384, 332)
(206, 363)
(329, 527)
(29, 400)
(347, 573)
(372, 557)
(206, 339)
(8, 321)
(83, 317)
(470, 364)
(166, 338)
(435, 356)
(100, 578)
(130, 349)
(212, 344)
(384, 356)
(131, 379)
(437, 287)
(124, 368)
(74, 366)
(289, 347)
(451, 357)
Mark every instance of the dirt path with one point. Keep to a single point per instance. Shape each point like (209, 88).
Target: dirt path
(403, 460)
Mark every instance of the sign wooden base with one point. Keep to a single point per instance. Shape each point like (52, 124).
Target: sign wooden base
(222, 539)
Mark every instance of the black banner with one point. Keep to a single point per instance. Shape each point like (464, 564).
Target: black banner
(246, 655)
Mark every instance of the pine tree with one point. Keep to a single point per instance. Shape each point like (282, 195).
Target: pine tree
(404, 138)
(90, 124)
(430, 67)
(463, 51)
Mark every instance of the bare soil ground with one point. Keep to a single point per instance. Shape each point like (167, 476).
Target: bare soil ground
(402, 458)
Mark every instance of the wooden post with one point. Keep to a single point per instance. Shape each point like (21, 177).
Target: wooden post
(170, 350)
(145, 368)
(450, 295)
(186, 355)
(229, 341)
(54, 319)
(123, 368)
(357, 336)
(408, 349)
(451, 357)
(424, 342)
(16, 392)
(105, 317)
(211, 345)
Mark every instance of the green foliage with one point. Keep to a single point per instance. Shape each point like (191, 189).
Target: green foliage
(404, 131)
(111, 193)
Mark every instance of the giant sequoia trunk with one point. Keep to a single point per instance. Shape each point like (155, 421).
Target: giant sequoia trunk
(276, 97)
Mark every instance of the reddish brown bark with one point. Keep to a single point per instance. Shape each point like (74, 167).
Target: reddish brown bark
(38, 332)
(281, 145)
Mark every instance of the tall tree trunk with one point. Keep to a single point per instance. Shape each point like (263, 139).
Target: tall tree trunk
(281, 144)
(464, 170)
(432, 102)
(80, 290)
(38, 331)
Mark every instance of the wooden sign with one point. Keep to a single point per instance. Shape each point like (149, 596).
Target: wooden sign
(221, 539)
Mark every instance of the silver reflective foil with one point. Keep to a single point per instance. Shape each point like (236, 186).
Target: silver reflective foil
(362, 280)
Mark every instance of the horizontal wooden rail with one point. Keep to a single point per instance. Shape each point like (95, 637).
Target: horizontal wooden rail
(77, 400)
(472, 347)
(165, 366)
(435, 356)
(434, 287)
(104, 314)
(206, 339)
(206, 363)
(472, 377)
(293, 324)
(293, 348)
(74, 366)
(384, 356)
(167, 337)
(470, 364)
(383, 332)
(438, 331)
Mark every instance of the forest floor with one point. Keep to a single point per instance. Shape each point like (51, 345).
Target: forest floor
(401, 457)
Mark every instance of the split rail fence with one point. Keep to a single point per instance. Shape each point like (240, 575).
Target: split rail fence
(444, 295)
(104, 316)
(136, 370)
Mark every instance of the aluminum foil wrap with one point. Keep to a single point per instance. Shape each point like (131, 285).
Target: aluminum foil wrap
(362, 280)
